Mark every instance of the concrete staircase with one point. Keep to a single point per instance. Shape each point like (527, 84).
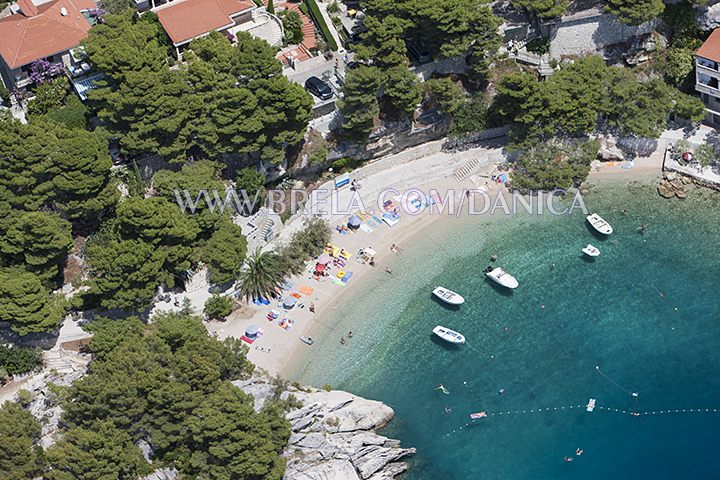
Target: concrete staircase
(331, 26)
(466, 170)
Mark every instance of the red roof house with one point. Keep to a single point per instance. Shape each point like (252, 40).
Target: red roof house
(45, 31)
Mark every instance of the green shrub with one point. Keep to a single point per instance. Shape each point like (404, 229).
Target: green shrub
(24, 397)
(333, 7)
(292, 25)
(4, 94)
(217, 307)
(541, 46)
(469, 117)
(317, 17)
(306, 243)
(318, 156)
(345, 164)
(19, 360)
(554, 164)
(74, 114)
(48, 96)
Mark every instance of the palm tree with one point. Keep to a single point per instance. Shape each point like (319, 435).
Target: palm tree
(262, 276)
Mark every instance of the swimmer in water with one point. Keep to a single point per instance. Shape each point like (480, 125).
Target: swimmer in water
(579, 452)
(442, 388)
(501, 391)
(568, 459)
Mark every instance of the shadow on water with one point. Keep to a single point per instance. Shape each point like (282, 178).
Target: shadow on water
(447, 306)
(597, 235)
(504, 291)
(587, 258)
(442, 343)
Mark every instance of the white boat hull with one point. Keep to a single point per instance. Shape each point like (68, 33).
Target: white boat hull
(450, 336)
(591, 251)
(448, 296)
(599, 224)
(501, 277)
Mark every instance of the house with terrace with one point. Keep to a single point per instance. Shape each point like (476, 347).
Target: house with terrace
(38, 40)
(707, 77)
(186, 20)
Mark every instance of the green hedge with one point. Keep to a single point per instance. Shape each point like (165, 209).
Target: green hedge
(320, 22)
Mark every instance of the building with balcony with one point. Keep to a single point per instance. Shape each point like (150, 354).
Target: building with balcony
(707, 77)
(43, 31)
(186, 20)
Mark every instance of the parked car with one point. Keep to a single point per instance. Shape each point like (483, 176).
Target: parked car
(418, 53)
(318, 88)
(114, 148)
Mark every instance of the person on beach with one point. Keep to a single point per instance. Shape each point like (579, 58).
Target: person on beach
(394, 248)
(342, 340)
(312, 307)
(372, 261)
(388, 270)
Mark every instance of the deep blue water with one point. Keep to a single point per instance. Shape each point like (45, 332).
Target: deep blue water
(646, 311)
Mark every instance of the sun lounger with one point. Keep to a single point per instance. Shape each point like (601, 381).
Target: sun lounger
(305, 290)
(365, 228)
(296, 295)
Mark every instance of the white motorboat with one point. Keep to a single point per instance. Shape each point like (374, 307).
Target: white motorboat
(591, 251)
(600, 225)
(501, 277)
(448, 296)
(449, 335)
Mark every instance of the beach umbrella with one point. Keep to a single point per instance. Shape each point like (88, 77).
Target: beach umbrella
(252, 331)
(289, 302)
(354, 221)
(319, 267)
(324, 258)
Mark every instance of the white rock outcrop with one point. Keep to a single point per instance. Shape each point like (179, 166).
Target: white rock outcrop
(334, 435)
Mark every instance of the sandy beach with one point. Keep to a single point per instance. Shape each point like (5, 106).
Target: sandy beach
(277, 350)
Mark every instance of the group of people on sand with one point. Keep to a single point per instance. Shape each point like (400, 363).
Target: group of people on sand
(349, 336)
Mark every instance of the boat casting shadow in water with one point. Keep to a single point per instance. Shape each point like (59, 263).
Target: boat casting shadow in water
(504, 291)
(442, 343)
(445, 305)
(587, 258)
(597, 235)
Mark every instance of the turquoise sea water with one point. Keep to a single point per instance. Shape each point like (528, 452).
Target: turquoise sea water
(609, 312)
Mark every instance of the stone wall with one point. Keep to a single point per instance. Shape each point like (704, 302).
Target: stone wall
(590, 31)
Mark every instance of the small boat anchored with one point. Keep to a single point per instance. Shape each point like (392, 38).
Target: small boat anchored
(477, 415)
(308, 340)
(591, 405)
(600, 225)
(591, 251)
(501, 277)
(448, 296)
(448, 335)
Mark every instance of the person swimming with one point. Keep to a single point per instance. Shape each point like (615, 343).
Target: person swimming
(579, 452)
(442, 388)
(568, 459)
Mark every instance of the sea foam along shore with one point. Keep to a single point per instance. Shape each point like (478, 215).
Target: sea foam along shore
(423, 168)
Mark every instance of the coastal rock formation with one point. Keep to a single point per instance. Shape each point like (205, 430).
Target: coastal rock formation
(609, 151)
(333, 434)
(673, 185)
(708, 16)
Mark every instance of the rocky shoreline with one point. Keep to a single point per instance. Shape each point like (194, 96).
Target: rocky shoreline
(333, 434)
